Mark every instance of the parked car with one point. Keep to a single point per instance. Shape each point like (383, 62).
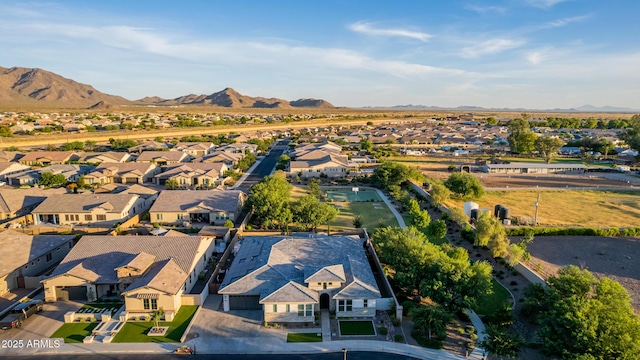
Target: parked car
(20, 313)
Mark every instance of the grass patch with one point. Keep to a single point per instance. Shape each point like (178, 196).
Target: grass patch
(303, 337)
(356, 328)
(347, 195)
(74, 332)
(137, 331)
(494, 301)
(575, 208)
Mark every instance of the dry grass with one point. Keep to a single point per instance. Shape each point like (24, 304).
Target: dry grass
(599, 209)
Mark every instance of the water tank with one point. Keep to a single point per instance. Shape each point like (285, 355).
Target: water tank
(496, 210)
(505, 213)
(468, 206)
(474, 214)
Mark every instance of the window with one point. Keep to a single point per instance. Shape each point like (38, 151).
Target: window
(365, 303)
(301, 310)
(88, 217)
(78, 217)
(324, 285)
(330, 284)
(66, 217)
(319, 284)
(180, 216)
(305, 310)
(101, 217)
(49, 257)
(345, 305)
(158, 216)
(145, 304)
(154, 304)
(288, 308)
(275, 308)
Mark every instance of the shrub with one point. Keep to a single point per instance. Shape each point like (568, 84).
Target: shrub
(383, 330)
(398, 338)
(395, 321)
(249, 227)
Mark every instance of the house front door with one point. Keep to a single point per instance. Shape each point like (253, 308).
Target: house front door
(324, 301)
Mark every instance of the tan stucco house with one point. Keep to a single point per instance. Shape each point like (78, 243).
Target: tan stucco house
(148, 272)
(213, 207)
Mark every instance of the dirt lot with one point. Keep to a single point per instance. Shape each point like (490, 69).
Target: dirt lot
(556, 181)
(617, 258)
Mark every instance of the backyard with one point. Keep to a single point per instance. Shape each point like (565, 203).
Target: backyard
(137, 331)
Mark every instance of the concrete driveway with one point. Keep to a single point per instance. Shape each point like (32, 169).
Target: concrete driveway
(43, 324)
(212, 322)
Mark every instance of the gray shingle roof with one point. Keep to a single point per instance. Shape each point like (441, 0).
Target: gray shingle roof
(100, 255)
(165, 276)
(264, 265)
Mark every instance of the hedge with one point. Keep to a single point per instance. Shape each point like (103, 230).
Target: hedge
(574, 231)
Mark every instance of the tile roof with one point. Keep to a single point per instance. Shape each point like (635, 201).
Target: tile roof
(291, 292)
(182, 200)
(95, 257)
(265, 264)
(165, 276)
(85, 203)
(19, 249)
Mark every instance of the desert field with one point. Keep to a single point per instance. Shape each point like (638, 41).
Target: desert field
(617, 258)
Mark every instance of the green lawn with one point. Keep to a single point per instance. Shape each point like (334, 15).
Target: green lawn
(74, 332)
(137, 331)
(303, 337)
(494, 301)
(356, 328)
(373, 214)
(348, 195)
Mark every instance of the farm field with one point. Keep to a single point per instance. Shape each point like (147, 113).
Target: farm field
(616, 258)
(597, 209)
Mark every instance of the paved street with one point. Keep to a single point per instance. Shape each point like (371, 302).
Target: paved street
(266, 166)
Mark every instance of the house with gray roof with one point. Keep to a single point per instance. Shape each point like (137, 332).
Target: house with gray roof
(291, 277)
(122, 173)
(88, 208)
(29, 256)
(15, 203)
(193, 174)
(149, 272)
(162, 158)
(71, 172)
(197, 206)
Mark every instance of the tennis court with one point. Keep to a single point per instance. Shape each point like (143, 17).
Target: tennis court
(340, 195)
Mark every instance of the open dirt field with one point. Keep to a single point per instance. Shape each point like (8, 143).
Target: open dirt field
(617, 258)
(558, 181)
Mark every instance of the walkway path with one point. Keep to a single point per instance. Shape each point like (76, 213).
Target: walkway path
(325, 320)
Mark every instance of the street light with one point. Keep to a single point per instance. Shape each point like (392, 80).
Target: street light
(344, 352)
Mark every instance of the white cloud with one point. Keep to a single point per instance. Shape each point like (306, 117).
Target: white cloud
(534, 57)
(564, 21)
(491, 46)
(486, 9)
(545, 4)
(368, 29)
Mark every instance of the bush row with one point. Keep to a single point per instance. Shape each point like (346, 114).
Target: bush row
(632, 231)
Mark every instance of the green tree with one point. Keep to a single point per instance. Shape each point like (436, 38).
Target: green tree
(5, 131)
(74, 145)
(156, 316)
(229, 224)
(464, 185)
(90, 145)
(606, 146)
(171, 184)
(49, 179)
(489, 231)
(521, 139)
(437, 229)
(390, 173)
(270, 201)
(421, 219)
(632, 135)
(366, 144)
(311, 212)
(357, 221)
(502, 342)
(314, 188)
(431, 318)
(583, 317)
(439, 193)
(548, 147)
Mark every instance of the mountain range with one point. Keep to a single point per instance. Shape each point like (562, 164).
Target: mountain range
(27, 86)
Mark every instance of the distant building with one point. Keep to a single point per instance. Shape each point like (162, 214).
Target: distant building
(534, 168)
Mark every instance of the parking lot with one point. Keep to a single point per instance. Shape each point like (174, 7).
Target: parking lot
(43, 324)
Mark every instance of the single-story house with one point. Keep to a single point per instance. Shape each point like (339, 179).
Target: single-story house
(48, 157)
(200, 206)
(195, 148)
(29, 256)
(10, 168)
(122, 173)
(149, 272)
(162, 158)
(103, 209)
(15, 203)
(193, 174)
(332, 165)
(535, 168)
(71, 172)
(288, 278)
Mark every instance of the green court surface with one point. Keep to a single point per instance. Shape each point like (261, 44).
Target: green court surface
(353, 196)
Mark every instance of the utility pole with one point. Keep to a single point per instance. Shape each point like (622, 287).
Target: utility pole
(536, 204)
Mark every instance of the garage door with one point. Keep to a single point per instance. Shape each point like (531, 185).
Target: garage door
(244, 302)
(71, 293)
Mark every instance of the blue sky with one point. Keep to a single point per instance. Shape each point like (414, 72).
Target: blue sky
(536, 54)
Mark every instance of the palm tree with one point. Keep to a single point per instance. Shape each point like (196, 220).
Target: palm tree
(431, 318)
(156, 315)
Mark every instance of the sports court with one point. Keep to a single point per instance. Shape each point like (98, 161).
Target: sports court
(340, 195)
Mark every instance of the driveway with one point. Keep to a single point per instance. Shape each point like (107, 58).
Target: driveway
(43, 324)
(212, 322)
